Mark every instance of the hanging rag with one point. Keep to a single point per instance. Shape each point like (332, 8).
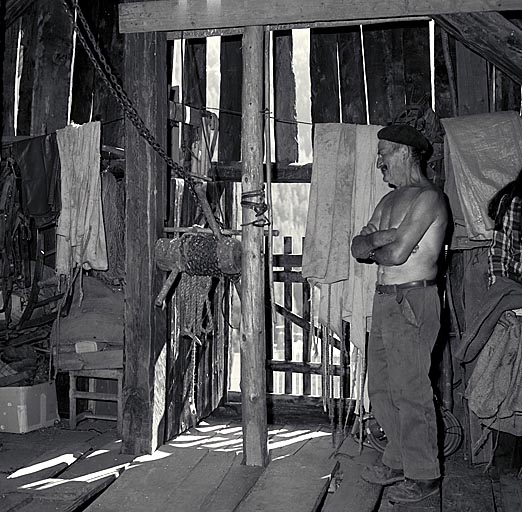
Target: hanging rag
(369, 188)
(80, 234)
(344, 191)
(328, 224)
(494, 391)
(39, 164)
(484, 153)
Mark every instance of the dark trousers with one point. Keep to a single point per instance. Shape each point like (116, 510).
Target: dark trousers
(405, 325)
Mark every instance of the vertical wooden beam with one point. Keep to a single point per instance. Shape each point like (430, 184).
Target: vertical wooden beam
(145, 172)
(253, 399)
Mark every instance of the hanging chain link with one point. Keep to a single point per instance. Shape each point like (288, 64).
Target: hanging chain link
(120, 95)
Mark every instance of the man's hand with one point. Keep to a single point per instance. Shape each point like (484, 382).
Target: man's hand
(370, 239)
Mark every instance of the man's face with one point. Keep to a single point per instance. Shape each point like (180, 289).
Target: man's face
(390, 161)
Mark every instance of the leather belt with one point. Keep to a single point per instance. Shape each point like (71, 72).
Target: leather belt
(392, 288)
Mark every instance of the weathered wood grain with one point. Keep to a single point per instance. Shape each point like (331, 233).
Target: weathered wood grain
(353, 96)
(144, 399)
(490, 35)
(7, 86)
(165, 15)
(253, 378)
(324, 76)
(285, 125)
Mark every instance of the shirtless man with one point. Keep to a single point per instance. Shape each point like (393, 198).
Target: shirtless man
(404, 237)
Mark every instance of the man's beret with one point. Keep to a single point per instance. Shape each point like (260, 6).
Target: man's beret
(405, 134)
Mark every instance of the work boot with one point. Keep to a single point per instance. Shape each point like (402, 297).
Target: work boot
(411, 491)
(382, 475)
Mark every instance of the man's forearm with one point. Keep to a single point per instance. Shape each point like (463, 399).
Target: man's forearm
(362, 245)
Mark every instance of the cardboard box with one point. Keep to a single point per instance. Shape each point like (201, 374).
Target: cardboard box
(27, 408)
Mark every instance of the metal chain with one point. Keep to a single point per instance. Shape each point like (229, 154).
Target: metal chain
(121, 96)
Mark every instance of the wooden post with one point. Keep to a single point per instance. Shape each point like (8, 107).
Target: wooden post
(253, 385)
(144, 393)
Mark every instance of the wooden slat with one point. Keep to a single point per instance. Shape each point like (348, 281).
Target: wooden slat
(298, 367)
(287, 276)
(7, 88)
(385, 72)
(230, 101)
(324, 76)
(285, 126)
(252, 271)
(194, 94)
(141, 487)
(507, 92)
(297, 483)
(307, 384)
(353, 96)
(417, 73)
(281, 173)
(144, 399)
(354, 493)
(164, 15)
(234, 487)
(472, 82)
(491, 35)
(14, 9)
(287, 301)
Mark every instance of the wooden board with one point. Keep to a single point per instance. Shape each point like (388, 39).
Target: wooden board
(295, 483)
(445, 82)
(144, 486)
(354, 493)
(166, 15)
(353, 96)
(490, 35)
(284, 108)
(144, 399)
(236, 484)
(324, 76)
(385, 72)
(52, 68)
(472, 82)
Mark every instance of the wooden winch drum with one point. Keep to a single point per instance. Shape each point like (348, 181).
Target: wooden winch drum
(199, 254)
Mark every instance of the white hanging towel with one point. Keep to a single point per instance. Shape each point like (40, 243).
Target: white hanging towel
(80, 234)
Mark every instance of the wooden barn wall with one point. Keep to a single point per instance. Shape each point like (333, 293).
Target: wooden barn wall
(355, 74)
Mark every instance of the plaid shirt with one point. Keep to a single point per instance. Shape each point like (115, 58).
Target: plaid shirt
(505, 258)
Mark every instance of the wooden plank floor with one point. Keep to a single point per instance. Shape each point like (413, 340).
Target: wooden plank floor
(201, 470)
(464, 488)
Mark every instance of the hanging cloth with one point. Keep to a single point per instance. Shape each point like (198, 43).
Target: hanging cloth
(80, 234)
(484, 153)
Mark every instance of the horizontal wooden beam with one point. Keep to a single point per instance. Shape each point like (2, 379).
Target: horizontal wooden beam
(281, 173)
(490, 35)
(230, 31)
(167, 15)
